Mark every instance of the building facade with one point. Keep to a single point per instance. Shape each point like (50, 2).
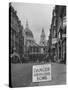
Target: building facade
(58, 34)
(28, 38)
(32, 50)
(43, 38)
(16, 37)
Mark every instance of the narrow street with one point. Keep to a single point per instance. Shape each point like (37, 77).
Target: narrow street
(38, 41)
(22, 75)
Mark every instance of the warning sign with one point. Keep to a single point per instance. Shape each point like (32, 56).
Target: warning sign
(41, 73)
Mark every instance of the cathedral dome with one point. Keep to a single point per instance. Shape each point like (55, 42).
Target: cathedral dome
(27, 31)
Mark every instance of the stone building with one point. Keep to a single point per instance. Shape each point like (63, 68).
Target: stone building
(53, 38)
(16, 37)
(28, 38)
(43, 42)
(43, 38)
(61, 32)
(32, 50)
(58, 34)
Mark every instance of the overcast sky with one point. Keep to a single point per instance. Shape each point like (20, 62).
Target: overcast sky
(39, 16)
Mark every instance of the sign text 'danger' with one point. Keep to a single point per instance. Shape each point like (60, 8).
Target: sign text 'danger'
(41, 73)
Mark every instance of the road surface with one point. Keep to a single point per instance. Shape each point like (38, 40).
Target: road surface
(22, 75)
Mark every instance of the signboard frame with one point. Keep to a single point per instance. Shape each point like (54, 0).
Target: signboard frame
(41, 73)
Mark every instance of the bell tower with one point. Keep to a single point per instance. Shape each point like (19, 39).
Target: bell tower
(42, 38)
